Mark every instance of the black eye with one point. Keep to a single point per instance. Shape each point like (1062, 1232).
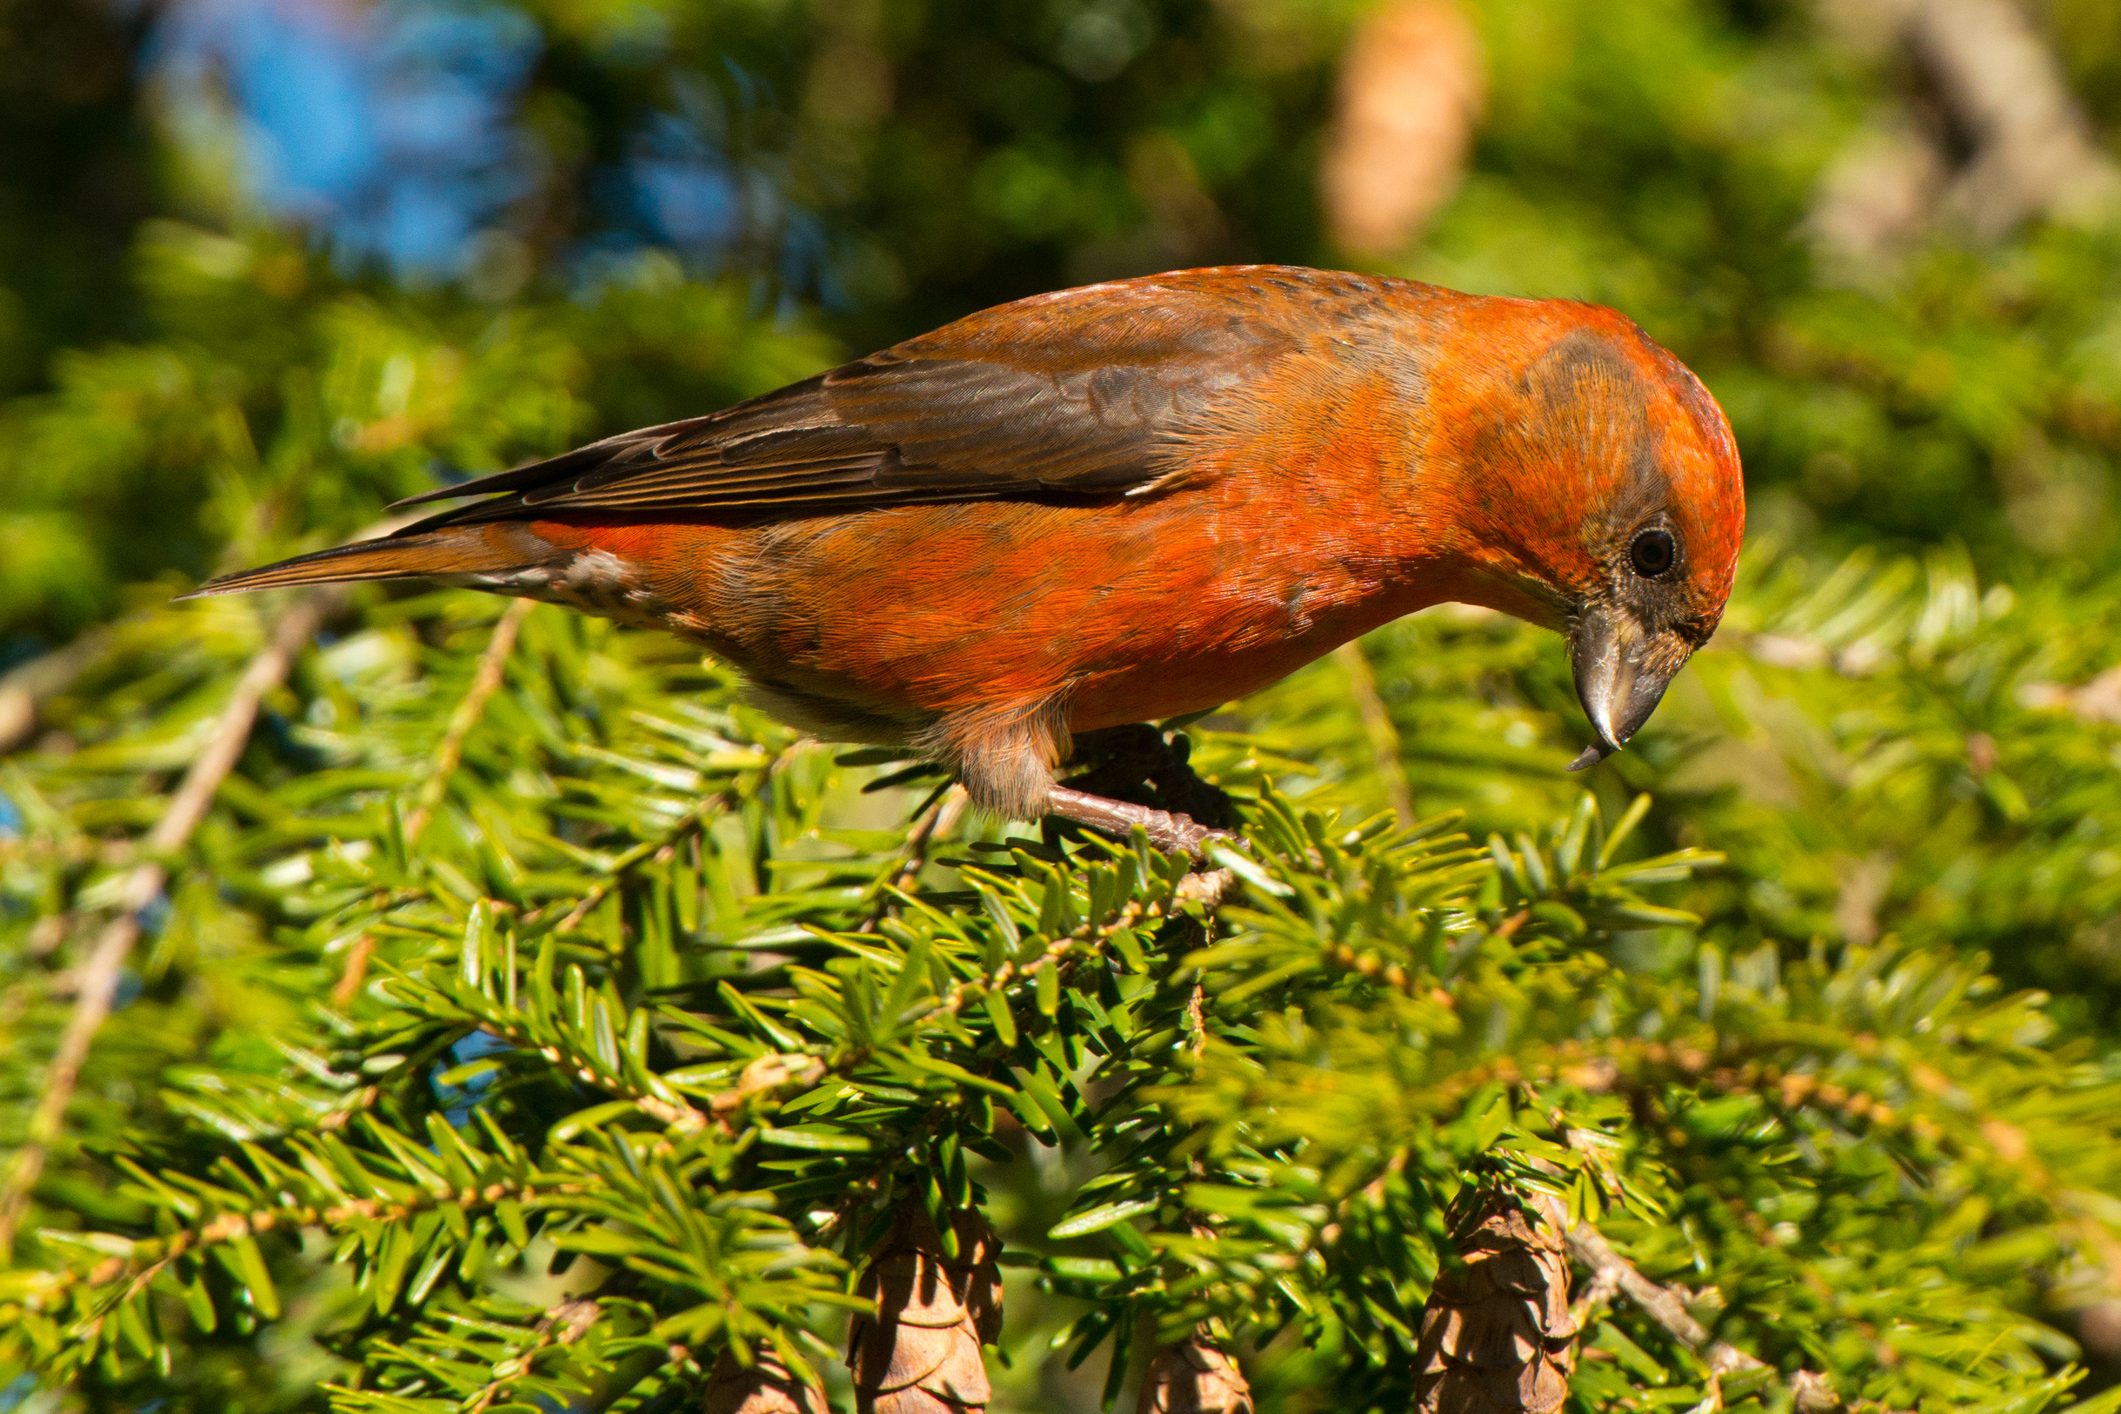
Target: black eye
(1653, 552)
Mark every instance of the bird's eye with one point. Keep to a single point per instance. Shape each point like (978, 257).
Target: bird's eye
(1653, 552)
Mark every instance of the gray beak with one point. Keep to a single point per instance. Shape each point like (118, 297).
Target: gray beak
(1621, 672)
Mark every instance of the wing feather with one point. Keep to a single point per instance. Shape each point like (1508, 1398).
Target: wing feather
(1086, 392)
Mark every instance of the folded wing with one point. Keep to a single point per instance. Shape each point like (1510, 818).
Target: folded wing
(1087, 392)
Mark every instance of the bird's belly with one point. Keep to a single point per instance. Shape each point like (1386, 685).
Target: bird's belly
(1124, 613)
(1183, 679)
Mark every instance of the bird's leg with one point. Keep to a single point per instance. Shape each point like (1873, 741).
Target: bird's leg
(1119, 817)
(1140, 764)
(1004, 758)
(1135, 775)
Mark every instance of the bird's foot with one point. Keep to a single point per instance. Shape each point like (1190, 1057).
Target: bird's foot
(1165, 829)
(1141, 765)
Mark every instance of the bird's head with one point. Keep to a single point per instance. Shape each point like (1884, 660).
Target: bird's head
(1593, 487)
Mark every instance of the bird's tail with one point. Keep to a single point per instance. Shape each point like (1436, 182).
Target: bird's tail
(445, 552)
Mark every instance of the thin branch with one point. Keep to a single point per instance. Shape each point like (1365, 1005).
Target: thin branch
(2028, 150)
(2097, 701)
(564, 1324)
(660, 849)
(354, 971)
(98, 978)
(151, 1256)
(485, 681)
(1611, 1271)
(2036, 153)
(1811, 1392)
(1386, 750)
(1206, 889)
(449, 756)
(24, 690)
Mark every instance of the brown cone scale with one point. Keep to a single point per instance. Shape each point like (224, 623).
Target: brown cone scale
(1496, 1334)
(766, 1386)
(920, 1353)
(1194, 1377)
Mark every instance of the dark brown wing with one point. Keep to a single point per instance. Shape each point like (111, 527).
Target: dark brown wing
(1082, 392)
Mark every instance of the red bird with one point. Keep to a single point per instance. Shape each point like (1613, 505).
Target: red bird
(1129, 501)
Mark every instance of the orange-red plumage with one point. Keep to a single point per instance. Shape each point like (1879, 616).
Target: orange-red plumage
(1134, 500)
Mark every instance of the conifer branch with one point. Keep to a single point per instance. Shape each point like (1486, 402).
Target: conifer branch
(150, 1256)
(486, 679)
(96, 985)
(1195, 1375)
(564, 1324)
(934, 824)
(663, 847)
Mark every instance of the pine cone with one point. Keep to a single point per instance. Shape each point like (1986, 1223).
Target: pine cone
(1496, 1334)
(920, 1352)
(1412, 85)
(1194, 1377)
(765, 1387)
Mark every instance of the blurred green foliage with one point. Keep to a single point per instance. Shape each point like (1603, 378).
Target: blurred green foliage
(1827, 1039)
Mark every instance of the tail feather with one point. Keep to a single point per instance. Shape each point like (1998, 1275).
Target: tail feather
(449, 551)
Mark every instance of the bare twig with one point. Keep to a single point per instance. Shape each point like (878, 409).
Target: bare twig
(564, 1324)
(1811, 1393)
(24, 690)
(97, 980)
(2097, 701)
(485, 681)
(1385, 746)
(2034, 151)
(354, 971)
(1998, 96)
(1611, 1271)
(1613, 1274)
